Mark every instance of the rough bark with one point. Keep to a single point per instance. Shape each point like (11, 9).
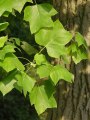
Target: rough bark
(74, 99)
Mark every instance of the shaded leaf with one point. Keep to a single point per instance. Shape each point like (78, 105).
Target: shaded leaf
(80, 40)
(7, 84)
(79, 55)
(3, 26)
(28, 48)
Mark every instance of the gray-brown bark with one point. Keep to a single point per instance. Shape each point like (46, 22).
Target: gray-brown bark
(74, 99)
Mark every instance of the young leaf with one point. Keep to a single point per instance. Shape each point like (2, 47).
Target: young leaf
(39, 16)
(41, 99)
(3, 26)
(40, 59)
(3, 40)
(54, 39)
(8, 5)
(59, 72)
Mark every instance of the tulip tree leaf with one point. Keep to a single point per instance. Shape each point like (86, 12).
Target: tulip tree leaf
(78, 49)
(7, 88)
(41, 99)
(40, 59)
(7, 84)
(44, 51)
(44, 70)
(39, 16)
(25, 81)
(79, 55)
(54, 40)
(5, 50)
(59, 72)
(11, 62)
(8, 5)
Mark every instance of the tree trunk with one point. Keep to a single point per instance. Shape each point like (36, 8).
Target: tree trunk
(74, 99)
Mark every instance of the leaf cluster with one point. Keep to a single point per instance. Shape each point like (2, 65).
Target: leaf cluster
(49, 41)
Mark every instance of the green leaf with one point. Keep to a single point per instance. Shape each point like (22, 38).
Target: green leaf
(7, 84)
(80, 40)
(40, 59)
(39, 16)
(3, 40)
(7, 88)
(21, 79)
(44, 70)
(28, 48)
(5, 50)
(3, 26)
(54, 39)
(78, 52)
(59, 72)
(8, 5)
(11, 62)
(42, 99)
(79, 55)
(25, 81)
(17, 41)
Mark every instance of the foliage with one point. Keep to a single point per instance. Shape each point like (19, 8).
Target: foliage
(48, 41)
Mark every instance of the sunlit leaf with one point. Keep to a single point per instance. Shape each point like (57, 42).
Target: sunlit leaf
(8, 5)
(44, 70)
(5, 50)
(40, 59)
(39, 16)
(11, 62)
(54, 39)
(42, 99)
(3, 40)
(59, 72)
(25, 81)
